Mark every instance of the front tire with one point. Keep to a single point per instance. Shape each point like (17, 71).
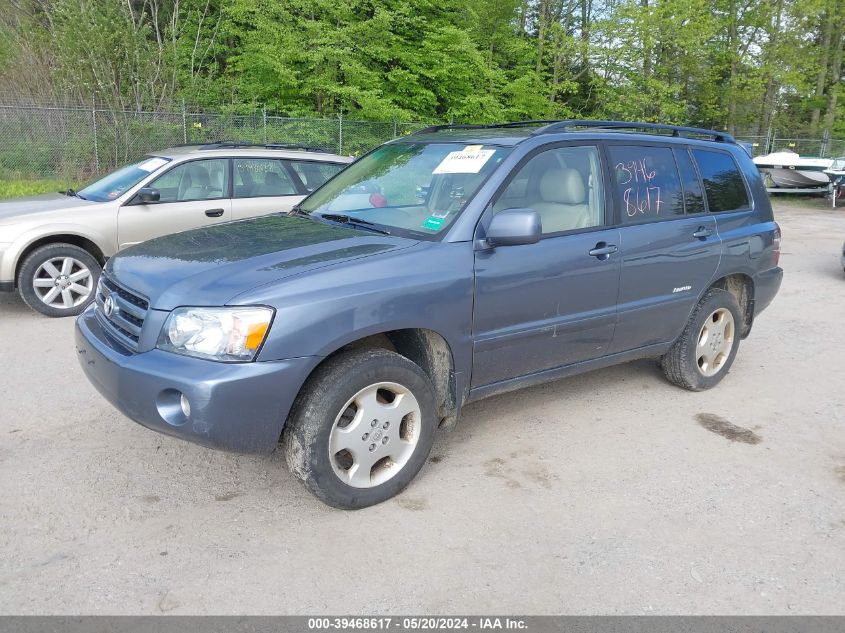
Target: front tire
(361, 428)
(706, 349)
(58, 280)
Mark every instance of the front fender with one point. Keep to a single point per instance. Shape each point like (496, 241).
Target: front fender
(10, 257)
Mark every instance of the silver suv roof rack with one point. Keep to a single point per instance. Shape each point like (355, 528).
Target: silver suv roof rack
(247, 144)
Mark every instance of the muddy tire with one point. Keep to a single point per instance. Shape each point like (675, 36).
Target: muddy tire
(58, 280)
(361, 428)
(706, 349)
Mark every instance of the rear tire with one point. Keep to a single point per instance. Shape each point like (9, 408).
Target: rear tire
(59, 280)
(361, 428)
(706, 349)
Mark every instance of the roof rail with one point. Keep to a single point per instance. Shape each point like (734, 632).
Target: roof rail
(547, 127)
(677, 130)
(247, 144)
(450, 126)
(482, 126)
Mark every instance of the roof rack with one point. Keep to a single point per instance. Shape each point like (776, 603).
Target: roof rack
(547, 127)
(481, 126)
(240, 144)
(677, 130)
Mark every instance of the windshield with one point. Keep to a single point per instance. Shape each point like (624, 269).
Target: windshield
(119, 182)
(416, 187)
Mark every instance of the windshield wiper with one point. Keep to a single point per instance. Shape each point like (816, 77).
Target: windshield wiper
(72, 194)
(297, 211)
(352, 221)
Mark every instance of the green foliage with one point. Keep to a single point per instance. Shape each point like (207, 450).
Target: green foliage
(739, 64)
(18, 188)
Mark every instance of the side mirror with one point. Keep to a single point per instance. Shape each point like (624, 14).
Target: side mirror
(146, 195)
(512, 227)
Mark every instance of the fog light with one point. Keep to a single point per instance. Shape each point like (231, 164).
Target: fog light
(186, 405)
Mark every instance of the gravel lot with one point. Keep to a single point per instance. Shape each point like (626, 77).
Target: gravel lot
(612, 492)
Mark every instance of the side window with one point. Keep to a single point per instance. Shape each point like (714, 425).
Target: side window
(195, 180)
(723, 183)
(563, 185)
(313, 174)
(259, 177)
(647, 183)
(693, 196)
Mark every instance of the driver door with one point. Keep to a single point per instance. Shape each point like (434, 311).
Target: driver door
(192, 194)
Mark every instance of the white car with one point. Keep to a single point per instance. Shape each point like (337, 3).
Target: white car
(53, 246)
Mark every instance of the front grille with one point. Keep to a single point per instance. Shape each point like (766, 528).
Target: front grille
(127, 312)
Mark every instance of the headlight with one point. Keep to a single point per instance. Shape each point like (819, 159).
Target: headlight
(224, 334)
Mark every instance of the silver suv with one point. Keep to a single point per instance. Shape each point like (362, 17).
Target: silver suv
(53, 247)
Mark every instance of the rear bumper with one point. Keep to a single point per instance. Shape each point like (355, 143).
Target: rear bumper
(766, 286)
(240, 407)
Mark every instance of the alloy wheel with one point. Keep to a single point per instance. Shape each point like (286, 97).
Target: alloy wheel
(715, 341)
(63, 283)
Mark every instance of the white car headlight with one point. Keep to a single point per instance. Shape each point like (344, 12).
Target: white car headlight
(223, 334)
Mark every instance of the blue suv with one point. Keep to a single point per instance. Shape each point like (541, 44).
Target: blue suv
(440, 268)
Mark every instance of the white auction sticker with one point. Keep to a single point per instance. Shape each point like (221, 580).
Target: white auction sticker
(469, 160)
(152, 164)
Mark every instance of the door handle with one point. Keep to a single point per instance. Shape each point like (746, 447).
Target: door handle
(214, 213)
(703, 233)
(603, 250)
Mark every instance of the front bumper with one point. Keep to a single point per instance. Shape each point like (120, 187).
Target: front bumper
(240, 407)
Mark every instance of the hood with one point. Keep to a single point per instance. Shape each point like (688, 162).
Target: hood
(18, 208)
(210, 266)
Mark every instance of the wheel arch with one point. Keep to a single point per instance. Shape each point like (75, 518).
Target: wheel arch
(74, 239)
(741, 286)
(424, 347)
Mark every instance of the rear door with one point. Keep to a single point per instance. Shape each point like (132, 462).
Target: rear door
(729, 201)
(262, 186)
(671, 248)
(193, 194)
(553, 303)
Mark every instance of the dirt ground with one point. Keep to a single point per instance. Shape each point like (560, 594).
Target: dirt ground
(612, 492)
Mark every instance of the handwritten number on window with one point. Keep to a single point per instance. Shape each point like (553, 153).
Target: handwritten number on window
(640, 197)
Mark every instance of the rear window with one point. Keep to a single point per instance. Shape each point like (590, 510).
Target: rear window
(314, 174)
(647, 183)
(723, 184)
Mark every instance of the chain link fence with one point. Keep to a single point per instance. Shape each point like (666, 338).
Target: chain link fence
(816, 147)
(77, 143)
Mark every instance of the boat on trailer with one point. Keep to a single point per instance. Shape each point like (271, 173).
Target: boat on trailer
(787, 170)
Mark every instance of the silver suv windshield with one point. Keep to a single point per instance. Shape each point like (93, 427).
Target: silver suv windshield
(415, 187)
(119, 182)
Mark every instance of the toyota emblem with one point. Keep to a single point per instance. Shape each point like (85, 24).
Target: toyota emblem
(108, 306)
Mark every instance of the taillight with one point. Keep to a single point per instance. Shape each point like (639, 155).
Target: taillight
(776, 243)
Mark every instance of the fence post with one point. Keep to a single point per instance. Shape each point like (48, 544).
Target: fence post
(94, 126)
(395, 128)
(340, 133)
(825, 139)
(264, 115)
(184, 124)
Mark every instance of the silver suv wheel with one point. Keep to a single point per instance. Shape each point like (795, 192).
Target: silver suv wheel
(58, 280)
(63, 283)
